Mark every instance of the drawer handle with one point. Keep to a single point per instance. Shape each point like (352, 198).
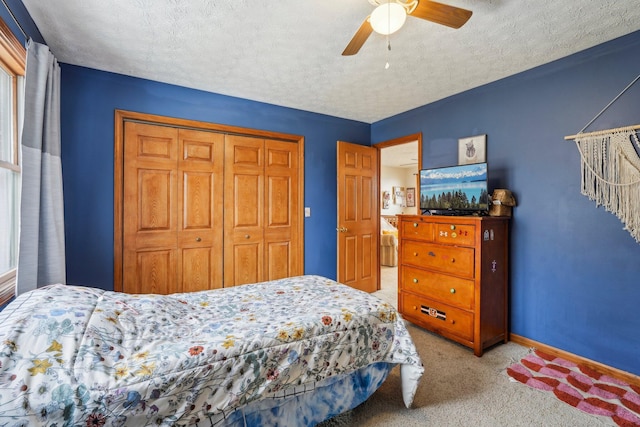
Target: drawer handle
(431, 253)
(453, 260)
(415, 224)
(415, 254)
(453, 322)
(453, 291)
(415, 307)
(415, 280)
(453, 227)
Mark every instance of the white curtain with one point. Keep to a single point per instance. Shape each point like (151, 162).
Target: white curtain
(41, 259)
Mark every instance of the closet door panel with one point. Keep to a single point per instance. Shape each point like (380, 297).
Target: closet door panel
(247, 191)
(150, 251)
(155, 272)
(243, 210)
(200, 215)
(247, 267)
(281, 210)
(278, 264)
(197, 207)
(197, 269)
(279, 201)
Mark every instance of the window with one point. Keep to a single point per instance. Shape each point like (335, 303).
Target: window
(12, 65)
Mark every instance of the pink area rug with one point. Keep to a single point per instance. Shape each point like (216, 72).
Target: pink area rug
(581, 387)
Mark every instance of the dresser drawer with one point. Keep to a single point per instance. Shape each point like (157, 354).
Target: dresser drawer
(447, 259)
(448, 289)
(456, 234)
(417, 230)
(439, 317)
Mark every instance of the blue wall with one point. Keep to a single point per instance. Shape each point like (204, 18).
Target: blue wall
(575, 273)
(89, 98)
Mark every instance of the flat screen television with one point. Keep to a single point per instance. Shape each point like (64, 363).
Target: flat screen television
(455, 190)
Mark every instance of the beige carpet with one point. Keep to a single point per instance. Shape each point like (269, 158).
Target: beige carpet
(460, 389)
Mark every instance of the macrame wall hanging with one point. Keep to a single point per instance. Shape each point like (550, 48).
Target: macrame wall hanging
(610, 169)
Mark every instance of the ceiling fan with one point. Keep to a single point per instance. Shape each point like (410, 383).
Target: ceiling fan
(389, 16)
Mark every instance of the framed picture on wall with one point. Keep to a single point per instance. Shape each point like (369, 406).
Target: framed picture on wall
(386, 197)
(411, 197)
(398, 196)
(472, 149)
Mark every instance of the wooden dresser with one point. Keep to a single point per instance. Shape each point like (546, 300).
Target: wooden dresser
(453, 277)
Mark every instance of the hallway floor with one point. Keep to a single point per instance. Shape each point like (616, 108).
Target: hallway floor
(389, 285)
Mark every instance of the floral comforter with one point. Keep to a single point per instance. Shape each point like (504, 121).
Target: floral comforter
(82, 356)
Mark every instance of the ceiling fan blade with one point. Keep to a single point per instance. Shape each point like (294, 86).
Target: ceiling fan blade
(358, 39)
(439, 13)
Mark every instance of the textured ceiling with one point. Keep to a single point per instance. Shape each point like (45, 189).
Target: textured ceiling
(288, 52)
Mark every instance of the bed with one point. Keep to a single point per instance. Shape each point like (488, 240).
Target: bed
(388, 241)
(294, 351)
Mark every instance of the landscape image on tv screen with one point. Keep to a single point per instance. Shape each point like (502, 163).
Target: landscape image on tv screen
(457, 188)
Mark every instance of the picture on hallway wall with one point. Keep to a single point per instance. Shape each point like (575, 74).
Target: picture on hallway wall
(386, 198)
(411, 197)
(398, 196)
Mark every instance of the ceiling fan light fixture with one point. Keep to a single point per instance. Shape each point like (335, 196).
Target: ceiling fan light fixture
(388, 18)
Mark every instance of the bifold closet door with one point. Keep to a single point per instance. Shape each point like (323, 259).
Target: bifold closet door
(261, 210)
(172, 209)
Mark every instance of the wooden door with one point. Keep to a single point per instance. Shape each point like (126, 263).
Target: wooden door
(243, 210)
(200, 209)
(357, 222)
(281, 211)
(172, 222)
(261, 210)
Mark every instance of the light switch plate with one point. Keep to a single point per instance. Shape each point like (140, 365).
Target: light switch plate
(307, 212)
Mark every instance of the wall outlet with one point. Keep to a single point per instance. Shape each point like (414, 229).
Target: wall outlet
(307, 212)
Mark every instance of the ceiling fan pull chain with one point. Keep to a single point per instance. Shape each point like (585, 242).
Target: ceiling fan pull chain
(386, 66)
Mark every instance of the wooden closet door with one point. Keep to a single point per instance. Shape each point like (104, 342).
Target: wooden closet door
(200, 209)
(150, 225)
(243, 210)
(172, 221)
(281, 209)
(261, 210)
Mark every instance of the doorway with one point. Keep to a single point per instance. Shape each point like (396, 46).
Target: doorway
(400, 163)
